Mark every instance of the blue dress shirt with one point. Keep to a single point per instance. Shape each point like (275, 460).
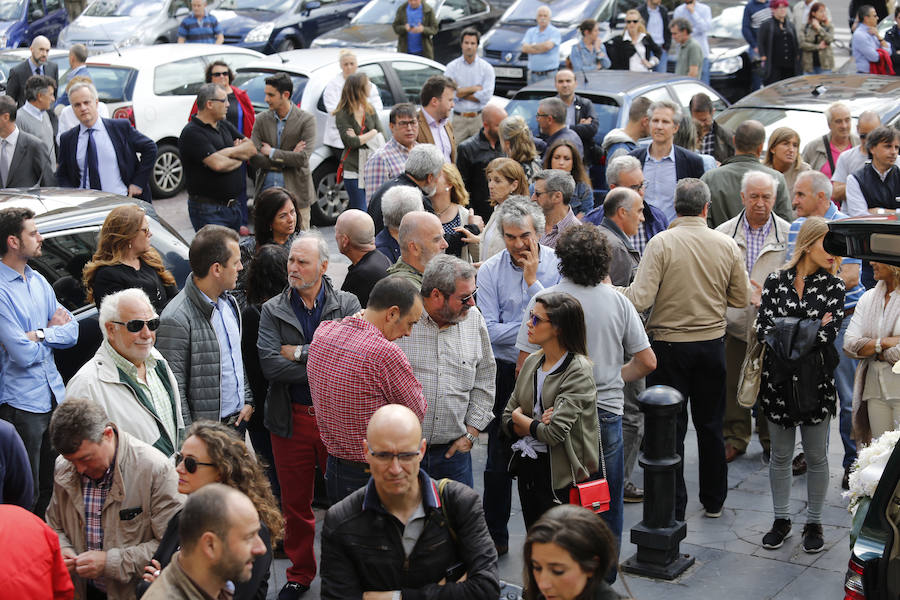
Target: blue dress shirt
(28, 374)
(661, 179)
(110, 178)
(545, 61)
(228, 332)
(276, 178)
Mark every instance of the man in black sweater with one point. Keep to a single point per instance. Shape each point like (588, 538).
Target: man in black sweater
(354, 232)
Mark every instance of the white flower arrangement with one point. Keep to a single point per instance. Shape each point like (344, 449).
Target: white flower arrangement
(868, 468)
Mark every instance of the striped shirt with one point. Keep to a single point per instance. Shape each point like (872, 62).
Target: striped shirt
(756, 239)
(203, 31)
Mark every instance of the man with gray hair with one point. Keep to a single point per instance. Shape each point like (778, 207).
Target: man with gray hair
(128, 377)
(450, 352)
(551, 120)
(855, 158)
(506, 283)
(354, 233)
(725, 182)
(34, 115)
(36, 64)
(396, 203)
(103, 154)
(687, 326)
(422, 169)
(286, 326)
(822, 153)
(664, 163)
(421, 239)
(553, 191)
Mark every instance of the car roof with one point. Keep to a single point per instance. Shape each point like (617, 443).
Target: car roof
(146, 56)
(312, 59)
(815, 92)
(611, 82)
(24, 53)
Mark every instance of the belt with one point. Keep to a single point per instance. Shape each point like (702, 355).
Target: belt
(204, 200)
(467, 115)
(351, 463)
(543, 72)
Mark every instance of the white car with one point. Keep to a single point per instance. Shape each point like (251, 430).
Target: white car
(154, 87)
(399, 78)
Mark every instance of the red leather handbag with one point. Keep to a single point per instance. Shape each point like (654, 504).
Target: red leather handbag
(592, 495)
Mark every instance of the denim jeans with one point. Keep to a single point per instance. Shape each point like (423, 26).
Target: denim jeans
(343, 478)
(815, 447)
(355, 196)
(704, 71)
(614, 455)
(663, 65)
(211, 214)
(34, 429)
(497, 498)
(532, 77)
(458, 467)
(843, 383)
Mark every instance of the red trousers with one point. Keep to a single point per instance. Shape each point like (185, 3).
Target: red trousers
(295, 462)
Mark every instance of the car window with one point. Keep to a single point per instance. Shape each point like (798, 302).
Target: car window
(254, 83)
(11, 10)
(525, 105)
(728, 24)
(52, 5)
(477, 6)
(660, 93)
(687, 90)
(413, 77)
(34, 5)
(809, 124)
(453, 10)
(375, 73)
(278, 6)
(112, 83)
(62, 261)
(177, 4)
(179, 78)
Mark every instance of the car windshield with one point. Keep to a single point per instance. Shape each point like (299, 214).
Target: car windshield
(113, 83)
(254, 83)
(809, 124)
(124, 8)
(381, 12)
(565, 12)
(607, 110)
(11, 10)
(728, 24)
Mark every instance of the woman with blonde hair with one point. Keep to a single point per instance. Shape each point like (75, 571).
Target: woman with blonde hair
(461, 225)
(331, 95)
(125, 259)
(634, 50)
(518, 144)
(505, 178)
(873, 338)
(783, 155)
(213, 453)
(797, 384)
(358, 125)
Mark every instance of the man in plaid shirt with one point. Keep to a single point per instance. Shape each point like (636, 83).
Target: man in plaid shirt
(388, 161)
(354, 369)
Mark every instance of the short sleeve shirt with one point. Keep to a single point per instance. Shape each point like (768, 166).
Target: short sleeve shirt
(199, 31)
(199, 140)
(691, 54)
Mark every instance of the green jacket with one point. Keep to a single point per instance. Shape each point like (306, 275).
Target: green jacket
(428, 21)
(725, 189)
(573, 432)
(344, 120)
(406, 271)
(809, 45)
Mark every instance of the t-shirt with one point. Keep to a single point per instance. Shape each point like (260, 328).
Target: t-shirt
(414, 40)
(835, 154)
(690, 54)
(199, 140)
(199, 31)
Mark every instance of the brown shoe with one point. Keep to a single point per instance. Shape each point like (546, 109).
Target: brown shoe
(731, 452)
(632, 493)
(798, 465)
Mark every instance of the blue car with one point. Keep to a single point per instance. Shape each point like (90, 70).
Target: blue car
(270, 26)
(23, 20)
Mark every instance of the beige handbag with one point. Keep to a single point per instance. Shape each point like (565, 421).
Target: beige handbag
(751, 374)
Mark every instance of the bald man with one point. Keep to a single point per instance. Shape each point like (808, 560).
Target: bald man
(445, 539)
(36, 64)
(421, 239)
(354, 233)
(473, 156)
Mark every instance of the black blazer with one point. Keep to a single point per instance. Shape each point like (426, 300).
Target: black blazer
(19, 74)
(30, 164)
(664, 13)
(127, 141)
(765, 38)
(620, 49)
(687, 163)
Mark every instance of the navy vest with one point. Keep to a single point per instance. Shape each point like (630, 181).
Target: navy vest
(879, 194)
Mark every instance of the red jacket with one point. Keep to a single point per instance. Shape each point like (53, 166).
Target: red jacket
(246, 106)
(884, 65)
(35, 569)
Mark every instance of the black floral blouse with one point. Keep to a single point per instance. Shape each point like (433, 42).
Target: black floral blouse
(822, 293)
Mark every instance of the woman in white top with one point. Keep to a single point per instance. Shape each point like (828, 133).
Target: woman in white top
(332, 95)
(505, 178)
(634, 50)
(873, 337)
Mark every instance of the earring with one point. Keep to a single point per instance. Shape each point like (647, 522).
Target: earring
(129, 245)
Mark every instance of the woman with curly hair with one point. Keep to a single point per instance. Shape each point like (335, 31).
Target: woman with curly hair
(564, 156)
(518, 144)
(125, 259)
(212, 453)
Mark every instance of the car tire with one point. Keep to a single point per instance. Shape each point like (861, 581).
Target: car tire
(288, 44)
(167, 177)
(331, 197)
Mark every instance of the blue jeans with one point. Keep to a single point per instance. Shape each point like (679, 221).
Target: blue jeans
(704, 71)
(613, 452)
(497, 498)
(342, 478)
(356, 196)
(458, 467)
(663, 65)
(213, 214)
(532, 76)
(843, 383)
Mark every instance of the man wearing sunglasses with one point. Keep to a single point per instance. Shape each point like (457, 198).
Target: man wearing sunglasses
(128, 377)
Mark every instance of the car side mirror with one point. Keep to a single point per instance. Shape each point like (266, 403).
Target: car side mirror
(36, 14)
(311, 5)
(182, 11)
(445, 21)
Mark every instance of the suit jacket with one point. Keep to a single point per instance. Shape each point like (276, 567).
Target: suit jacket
(27, 123)
(687, 163)
(584, 109)
(30, 164)
(425, 137)
(19, 74)
(127, 141)
(300, 126)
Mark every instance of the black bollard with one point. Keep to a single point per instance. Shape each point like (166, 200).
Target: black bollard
(659, 535)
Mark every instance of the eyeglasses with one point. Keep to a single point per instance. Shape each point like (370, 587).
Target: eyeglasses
(136, 325)
(541, 115)
(406, 123)
(534, 319)
(465, 299)
(538, 194)
(638, 186)
(862, 136)
(190, 463)
(225, 100)
(388, 457)
(220, 74)
(632, 20)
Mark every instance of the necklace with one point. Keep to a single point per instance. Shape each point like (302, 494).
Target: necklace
(441, 213)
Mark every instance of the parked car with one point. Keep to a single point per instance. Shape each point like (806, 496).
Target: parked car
(154, 87)
(21, 21)
(399, 78)
(69, 221)
(107, 25)
(280, 25)
(373, 26)
(800, 103)
(10, 58)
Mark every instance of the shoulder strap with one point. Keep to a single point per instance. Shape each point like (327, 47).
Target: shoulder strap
(441, 485)
(828, 152)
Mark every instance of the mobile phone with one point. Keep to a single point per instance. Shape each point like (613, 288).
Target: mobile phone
(456, 571)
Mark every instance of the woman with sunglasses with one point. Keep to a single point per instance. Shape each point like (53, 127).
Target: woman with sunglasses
(634, 50)
(212, 453)
(552, 412)
(125, 259)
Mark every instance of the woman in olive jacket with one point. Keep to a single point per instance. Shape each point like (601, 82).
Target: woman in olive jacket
(552, 413)
(357, 123)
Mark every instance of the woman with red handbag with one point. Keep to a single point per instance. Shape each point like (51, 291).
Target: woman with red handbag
(358, 125)
(552, 413)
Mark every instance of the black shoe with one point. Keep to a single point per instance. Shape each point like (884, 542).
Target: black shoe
(798, 465)
(845, 480)
(813, 541)
(781, 530)
(292, 590)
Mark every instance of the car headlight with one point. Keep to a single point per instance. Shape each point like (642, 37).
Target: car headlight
(260, 33)
(133, 40)
(727, 66)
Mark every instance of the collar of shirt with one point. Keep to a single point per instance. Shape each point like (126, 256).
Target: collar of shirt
(9, 274)
(432, 123)
(430, 496)
(125, 364)
(295, 297)
(34, 111)
(105, 482)
(612, 226)
(98, 126)
(566, 221)
(669, 156)
(833, 213)
(755, 230)
(34, 66)
(11, 139)
(880, 174)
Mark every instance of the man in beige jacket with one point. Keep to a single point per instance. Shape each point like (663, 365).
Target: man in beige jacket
(689, 275)
(113, 496)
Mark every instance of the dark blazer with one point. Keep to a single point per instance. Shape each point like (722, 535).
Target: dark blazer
(30, 164)
(127, 141)
(766, 35)
(664, 13)
(620, 49)
(19, 74)
(584, 109)
(687, 163)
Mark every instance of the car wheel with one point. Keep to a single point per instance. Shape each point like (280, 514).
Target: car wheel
(288, 44)
(331, 197)
(168, 172)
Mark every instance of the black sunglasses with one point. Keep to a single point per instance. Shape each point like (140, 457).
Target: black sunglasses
(136, 325)
(190, 463)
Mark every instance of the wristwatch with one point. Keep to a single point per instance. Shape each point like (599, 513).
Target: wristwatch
(39, 333)
(469, 437)
(298, 352)
(878, 346)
